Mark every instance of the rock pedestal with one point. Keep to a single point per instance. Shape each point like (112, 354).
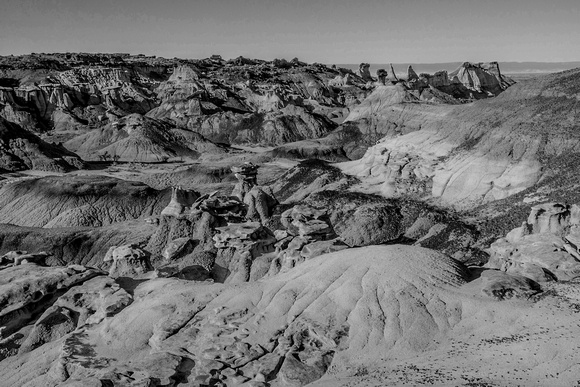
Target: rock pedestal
(247, 175)
(411, 74)
(364, 72)
(382, 75)
(181, 201)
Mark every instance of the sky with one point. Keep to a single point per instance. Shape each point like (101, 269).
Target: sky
(325, 31)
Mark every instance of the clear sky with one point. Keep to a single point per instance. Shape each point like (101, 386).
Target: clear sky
(327, 31)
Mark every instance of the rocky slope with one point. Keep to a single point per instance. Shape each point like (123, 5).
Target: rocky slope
(396, 107)
(21, 150)
(232, 102)
(135, 138)
(76, 201)
(474, 153)
(235, 102)
(394, 315)
(256, 271)
(268, 287)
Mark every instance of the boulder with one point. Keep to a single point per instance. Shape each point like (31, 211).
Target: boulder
(541, 257)
(128, 261)
(178, 248)
(306, 221)
(503, 286)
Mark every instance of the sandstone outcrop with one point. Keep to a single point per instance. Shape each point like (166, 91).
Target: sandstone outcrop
(307, 234)
(544, 248)
(85, 304)
(19, 257)
(382, 75)
(29, 288)
(503, 286)
(465, 154)
(128, 261)
(239, 244)
(481, 77)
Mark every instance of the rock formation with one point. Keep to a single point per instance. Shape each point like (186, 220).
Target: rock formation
(135, 138)
(544, 248)
(364, 72)
(181, 201)
(481, 77)
(18, 257)
(128, 261)
(453, 152)
(247, 179)
(307, 273)
(25, 289)
(239, 244)
(382, 75)
(411, 74)
(21, 150)
(307, 234)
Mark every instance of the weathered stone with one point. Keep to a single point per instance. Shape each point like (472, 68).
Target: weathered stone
(544, 248)
(503, 286)
(317, 248)
(181, 201)
(20, 257)
(364, 72)
(26, 289)
(128, 261)
(178, 248)
(411, 74)
(260, 202)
